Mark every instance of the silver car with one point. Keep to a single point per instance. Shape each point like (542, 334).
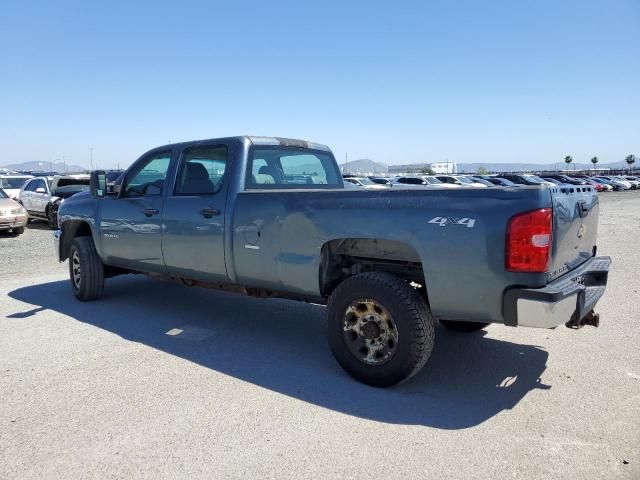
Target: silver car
(42, 196)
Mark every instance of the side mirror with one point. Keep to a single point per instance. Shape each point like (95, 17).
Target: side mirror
(98, 184)
(40, 190)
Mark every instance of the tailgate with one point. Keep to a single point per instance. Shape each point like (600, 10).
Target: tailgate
(575, 214)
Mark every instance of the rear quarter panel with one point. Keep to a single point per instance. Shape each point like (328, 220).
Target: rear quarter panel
(278, 238)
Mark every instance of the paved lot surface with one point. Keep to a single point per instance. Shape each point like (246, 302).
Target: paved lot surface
(249, 389)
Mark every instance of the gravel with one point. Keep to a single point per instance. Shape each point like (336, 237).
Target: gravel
(162, 381)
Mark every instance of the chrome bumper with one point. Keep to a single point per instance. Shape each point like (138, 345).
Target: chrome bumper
(56, 243)
(569, 298)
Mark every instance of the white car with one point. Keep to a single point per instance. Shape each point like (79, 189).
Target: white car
(542, 181)
(42, 196)
(460, 180)
(11, 184)
(421, 181)
(365, 182)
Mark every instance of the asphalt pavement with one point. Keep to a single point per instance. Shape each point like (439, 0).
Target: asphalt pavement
(159, 380)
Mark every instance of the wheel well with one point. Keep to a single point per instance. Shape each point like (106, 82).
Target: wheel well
(70, 230)
(345, 257)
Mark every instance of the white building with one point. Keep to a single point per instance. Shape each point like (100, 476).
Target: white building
(414, 168)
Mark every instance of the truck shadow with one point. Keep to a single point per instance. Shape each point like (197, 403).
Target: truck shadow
(281, 345)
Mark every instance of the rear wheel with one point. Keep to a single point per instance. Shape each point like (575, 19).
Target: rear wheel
(18, 231)
(86, 270)
(460, 326)
(381, 331)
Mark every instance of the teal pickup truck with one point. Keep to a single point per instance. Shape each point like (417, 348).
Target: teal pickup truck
(271, 217)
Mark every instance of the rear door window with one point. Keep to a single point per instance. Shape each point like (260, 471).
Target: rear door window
(201, 171)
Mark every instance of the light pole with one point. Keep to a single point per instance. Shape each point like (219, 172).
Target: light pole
(91, 149)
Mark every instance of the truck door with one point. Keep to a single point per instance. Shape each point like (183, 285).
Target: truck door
(194, 215)
(130, 222)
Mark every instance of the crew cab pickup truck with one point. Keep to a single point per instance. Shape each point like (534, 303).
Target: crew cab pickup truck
(271, 217)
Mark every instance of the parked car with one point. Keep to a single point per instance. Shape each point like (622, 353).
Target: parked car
(521, 179)
(606, 187)
(11, 184)
(614, 185)
(599, 186)
(617, 182)
(499, 181)
(12, 215)
(113, 176)
(381, 261)
(381, 181)
(483, 181)
(567, 179)
(634, 181)
(460, 180)
(427, 181)
(42, 196)
(364, 182)
(557, 182)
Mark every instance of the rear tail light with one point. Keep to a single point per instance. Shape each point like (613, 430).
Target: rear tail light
(529, 241)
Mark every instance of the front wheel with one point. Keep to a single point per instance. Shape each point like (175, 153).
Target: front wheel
(381, 331)
(460, 326)
(86, 270)
(52, 217)
(18, 231)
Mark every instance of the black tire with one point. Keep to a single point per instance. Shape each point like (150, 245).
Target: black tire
(411, 321)
(88, 282)
(18, 231)
(466, 327)
(52, 217)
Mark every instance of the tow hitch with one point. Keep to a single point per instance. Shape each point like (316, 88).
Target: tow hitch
(592, 318)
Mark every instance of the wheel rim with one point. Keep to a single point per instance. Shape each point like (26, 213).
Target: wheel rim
(370, 332)
(75, 269)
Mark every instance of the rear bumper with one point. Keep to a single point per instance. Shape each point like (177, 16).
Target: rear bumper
(570, 297)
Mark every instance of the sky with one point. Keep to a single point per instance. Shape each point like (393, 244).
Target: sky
(395, 82)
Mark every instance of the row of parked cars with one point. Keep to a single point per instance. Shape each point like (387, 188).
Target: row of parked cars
(26, 197)
(600, 182)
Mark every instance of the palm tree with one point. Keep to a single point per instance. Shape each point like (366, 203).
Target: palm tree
(630, 159)
(594, 160)
(568, 159)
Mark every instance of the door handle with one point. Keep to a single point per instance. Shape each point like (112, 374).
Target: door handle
(209, 212)
(582, 209)
(150, 211)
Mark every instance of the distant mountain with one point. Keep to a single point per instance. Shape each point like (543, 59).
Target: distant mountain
(364, 165)
(45, 166)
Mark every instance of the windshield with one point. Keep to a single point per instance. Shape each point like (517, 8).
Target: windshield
(2, 194)
(432, 180)
(465, 180)
(15, 183)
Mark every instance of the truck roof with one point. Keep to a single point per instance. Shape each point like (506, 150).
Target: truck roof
(257, 140)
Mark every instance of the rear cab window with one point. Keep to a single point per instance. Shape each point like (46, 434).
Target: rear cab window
(291, 168)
